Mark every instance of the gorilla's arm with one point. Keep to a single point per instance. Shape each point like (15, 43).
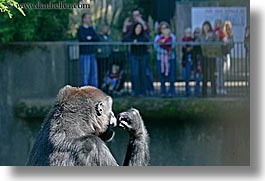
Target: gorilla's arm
(138, 150)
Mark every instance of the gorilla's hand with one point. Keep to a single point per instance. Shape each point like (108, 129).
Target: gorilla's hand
(138, 148)
(131, 121)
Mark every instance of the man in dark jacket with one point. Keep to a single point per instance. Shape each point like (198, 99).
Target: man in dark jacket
(88, 63)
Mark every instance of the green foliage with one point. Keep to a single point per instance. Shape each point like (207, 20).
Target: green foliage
(37, 25)
(5, 7)
(57, 25)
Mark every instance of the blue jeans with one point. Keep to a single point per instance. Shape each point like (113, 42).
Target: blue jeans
(197, 78)
(186, 73)
(149, 73)
(138, 74)
(149, 76)
(89, 70)
(172, 77)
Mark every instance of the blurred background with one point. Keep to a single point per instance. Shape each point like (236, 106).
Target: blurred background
(199, 117)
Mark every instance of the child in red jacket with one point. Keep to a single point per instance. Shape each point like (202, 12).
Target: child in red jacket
(218, 29)
(165, 41)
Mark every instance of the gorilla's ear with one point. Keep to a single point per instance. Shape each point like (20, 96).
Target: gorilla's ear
(64, 93)
(99, 108)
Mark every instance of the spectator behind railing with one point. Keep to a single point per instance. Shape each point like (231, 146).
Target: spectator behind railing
(191, 60)
(130, 22)
(197, 54)
(139, 58)
(88, 63)
(172, 68)
(113, 80)
(116, 74)
(165, 43)
(208, 64)
(128, 25)
(187, 59)
(103, 52)
(223, 63)
(229, 43)
(247, 41)
(218, 29)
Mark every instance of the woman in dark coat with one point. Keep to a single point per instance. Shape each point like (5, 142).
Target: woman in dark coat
(208, 64)
(139, 58)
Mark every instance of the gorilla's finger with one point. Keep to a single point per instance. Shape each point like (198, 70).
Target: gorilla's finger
(125, 125)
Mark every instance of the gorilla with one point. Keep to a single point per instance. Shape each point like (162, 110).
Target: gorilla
(79, 123)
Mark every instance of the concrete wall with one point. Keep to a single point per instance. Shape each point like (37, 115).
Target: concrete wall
(34, 70)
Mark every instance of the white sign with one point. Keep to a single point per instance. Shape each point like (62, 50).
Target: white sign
(237, 15)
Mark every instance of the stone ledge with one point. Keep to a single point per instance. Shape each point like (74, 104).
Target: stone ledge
(153, 109)
(32, 109)
(183, 109)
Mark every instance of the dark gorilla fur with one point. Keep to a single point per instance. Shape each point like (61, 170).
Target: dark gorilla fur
(74, 132)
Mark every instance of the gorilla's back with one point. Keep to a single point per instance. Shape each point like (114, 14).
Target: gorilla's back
(41, 150)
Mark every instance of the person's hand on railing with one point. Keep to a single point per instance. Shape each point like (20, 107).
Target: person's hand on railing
(89, 37)
(189, 49)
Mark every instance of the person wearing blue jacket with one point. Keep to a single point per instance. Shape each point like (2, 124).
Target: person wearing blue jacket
(88, 63)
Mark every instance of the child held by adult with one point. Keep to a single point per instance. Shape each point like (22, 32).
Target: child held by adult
(165, 43)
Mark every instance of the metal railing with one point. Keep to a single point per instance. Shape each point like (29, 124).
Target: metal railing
(234, 78)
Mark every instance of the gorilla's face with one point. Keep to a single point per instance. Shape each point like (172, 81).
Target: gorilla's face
(104, 110)
(112, 118)
(91, 105)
